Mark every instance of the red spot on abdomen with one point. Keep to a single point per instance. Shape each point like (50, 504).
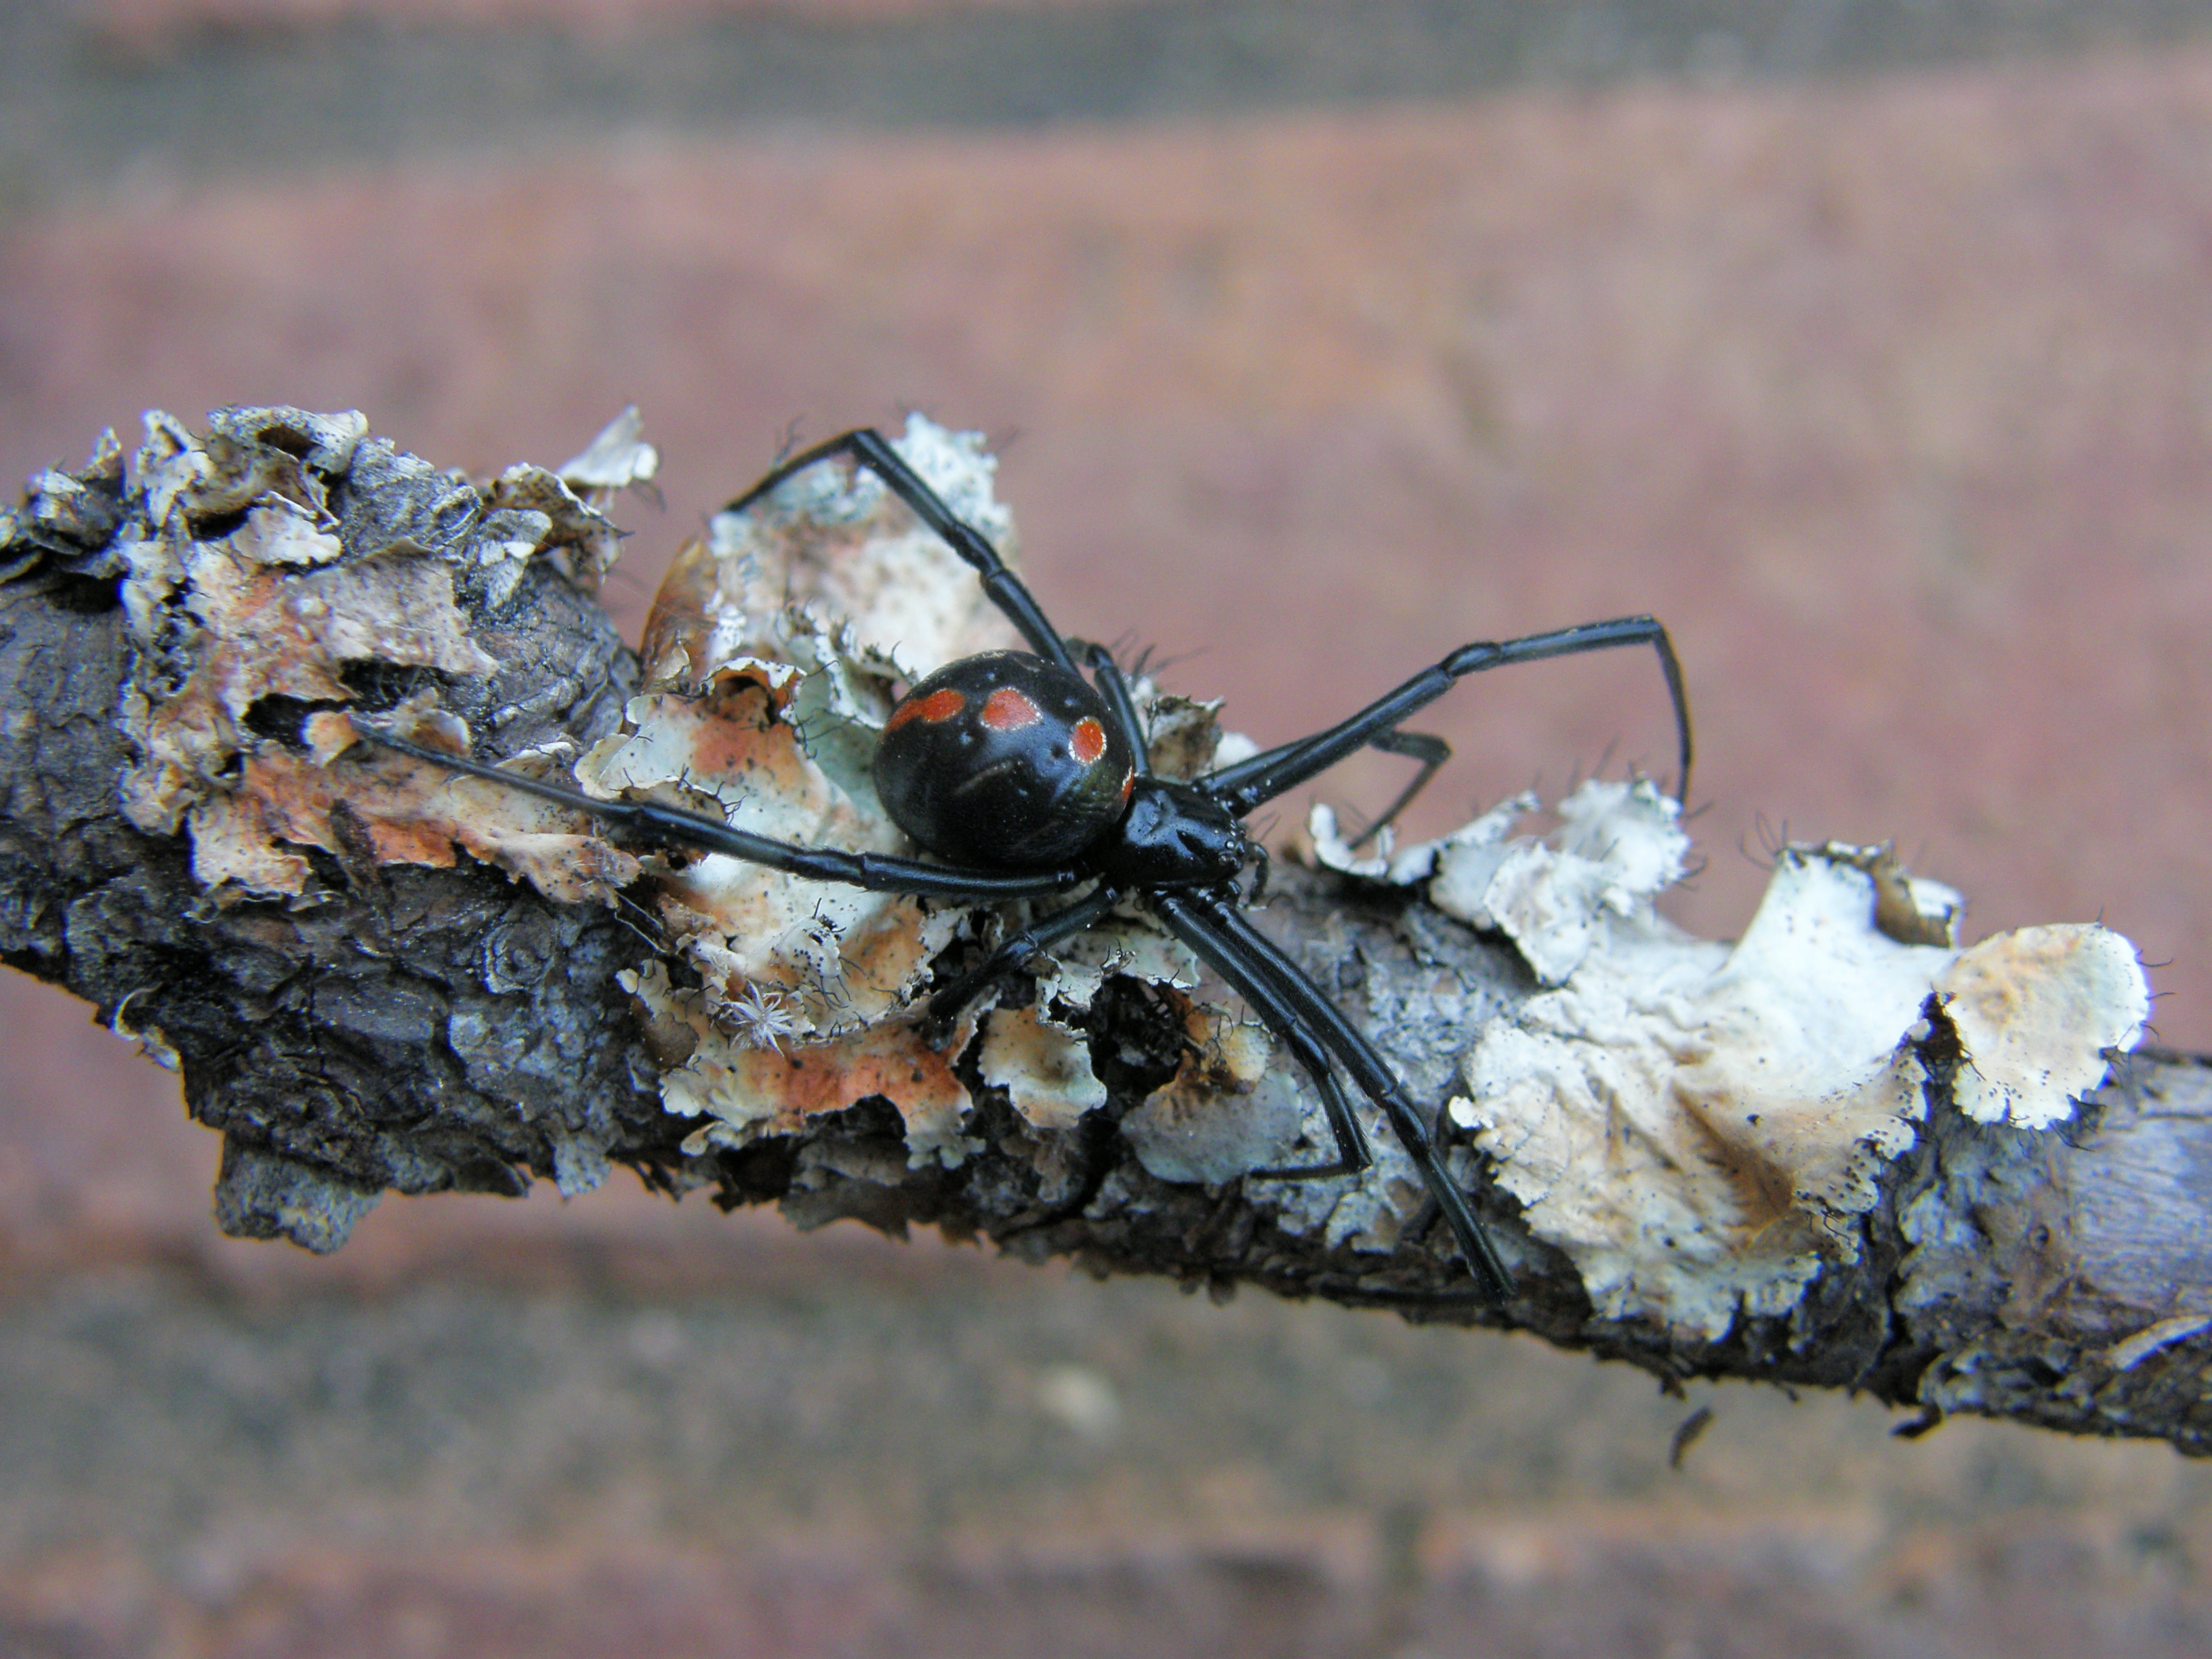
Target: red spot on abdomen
(1088, 741)
(936, 707)
(1007, 710)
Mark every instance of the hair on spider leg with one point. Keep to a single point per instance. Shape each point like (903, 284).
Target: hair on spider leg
(787, 439)
(1773, 841)
(1024, 781)
(1139, 660)
(1156, 663)
(1126, 649)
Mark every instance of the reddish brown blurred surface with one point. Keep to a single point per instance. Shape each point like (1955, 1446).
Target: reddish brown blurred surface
(1891, 396)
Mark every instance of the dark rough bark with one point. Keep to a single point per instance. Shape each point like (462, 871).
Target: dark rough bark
(426, 1029)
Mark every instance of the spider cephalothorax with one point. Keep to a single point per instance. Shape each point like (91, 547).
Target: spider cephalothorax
(1028, 780)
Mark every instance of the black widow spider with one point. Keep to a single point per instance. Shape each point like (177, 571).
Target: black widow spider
(1030, 782)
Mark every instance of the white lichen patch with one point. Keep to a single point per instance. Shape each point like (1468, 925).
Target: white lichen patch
(2036, 1012)
(278, 532)
(562, 509)
(837, 957)
(1692, 1125)
(1618, 845)
(1044, 1068)
(1184, 739)
(619, 458)
(1231, 1109)
(1698, 1126)
(1124, 942)
(1473, 849)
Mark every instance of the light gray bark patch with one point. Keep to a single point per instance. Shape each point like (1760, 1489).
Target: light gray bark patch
(261, 1196)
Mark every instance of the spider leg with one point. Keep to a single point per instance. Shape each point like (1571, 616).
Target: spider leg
(1352, 1153)
(669, 826)
(1260, 990)
(1114, 688)
(867, 447)
(1012, 952)
(1431, 751)
(1230, 938)
(1244, 786)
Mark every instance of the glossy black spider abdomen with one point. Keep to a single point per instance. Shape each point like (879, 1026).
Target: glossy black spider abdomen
(1004, 759)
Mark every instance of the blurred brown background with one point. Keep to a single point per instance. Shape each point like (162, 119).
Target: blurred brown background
(1867, 344)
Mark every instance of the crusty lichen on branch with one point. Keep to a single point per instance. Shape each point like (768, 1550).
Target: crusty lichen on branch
(1698, 1146)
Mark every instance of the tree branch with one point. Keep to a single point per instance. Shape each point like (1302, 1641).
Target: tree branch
(409, 1016)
